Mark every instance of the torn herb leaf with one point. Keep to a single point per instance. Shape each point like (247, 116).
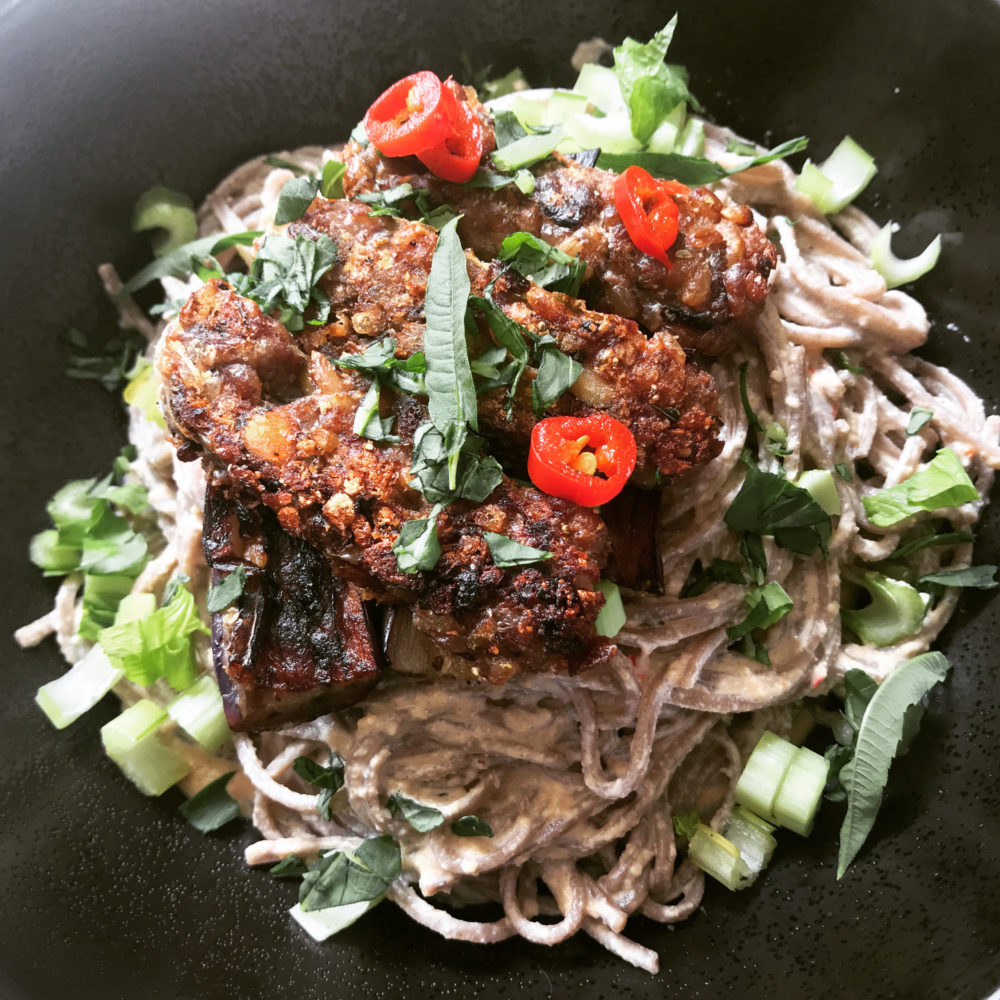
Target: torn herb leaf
(290, 866)
(332, 179)
(471, 826)
(765, 606)
(422, 818)
(212, 806)
(974, 577)
(296, 196)
(417, 547)
(542, 263)
(224, 593)
(718, 571)
(508, 552)
(343, 877)
(556, 374)
(329, 778)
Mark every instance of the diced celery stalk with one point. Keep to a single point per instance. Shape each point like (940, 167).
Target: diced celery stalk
(895, 612)
(899, 271)
(600, 86)
(839, 179)
(819, 484)
(761, 778)
(692, 139)
(611, 134)
(51, 556)
(716, 856)
(560, 104)
(321, 924)
(529, 112)
(131, 742)
(801, 790)
(198, 711)
(527, 149)
(65, 699)
(667, 134)
(611, 617)
(748, 835)
(135, 607)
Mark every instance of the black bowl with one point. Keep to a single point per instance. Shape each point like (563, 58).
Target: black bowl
(105, 894)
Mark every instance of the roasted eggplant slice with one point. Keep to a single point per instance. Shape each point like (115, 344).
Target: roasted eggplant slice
(298, 641)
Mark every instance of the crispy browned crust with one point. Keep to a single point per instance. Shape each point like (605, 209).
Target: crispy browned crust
(238, 388)
(377, 288)
(721, 259)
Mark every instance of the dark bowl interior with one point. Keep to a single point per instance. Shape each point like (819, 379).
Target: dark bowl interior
(106, 894)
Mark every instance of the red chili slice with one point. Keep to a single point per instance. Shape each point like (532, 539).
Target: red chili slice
(648, 210)
(408, 117)
(458, 156)
(586, 460)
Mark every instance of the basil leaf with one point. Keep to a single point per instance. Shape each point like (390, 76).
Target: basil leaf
(557, 373)
(930, 539)
(508, 332)
(685, 824)
(368, 423)
(754, 557)
(767, 504)
(919, 419)
(859, 689)
(451, 393)
(422, 818)
(880, 734)
(765, 606)
(386, 202)
(718, 571)
(340, 878)
(224, 593)
(211, 807)
(290, 866)
(332, 181)
(295, 197)
(542, 263)
(417, 547)
(693, 170)
(508, 552)
(450, 465)
(943, 483)
(471, 826)
(330, 779)
(978, 577)
(507, 127)
(177, 263)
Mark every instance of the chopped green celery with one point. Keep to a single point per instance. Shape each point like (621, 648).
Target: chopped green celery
(134, 607)
(611, 134)
(52, 556)
(751, 836)
(611, 617)
(800, 792)
(530, 111)
(761, 779)
(102, 596)
(839, 179)
(692, 140)
(560, 104)
(718, 857)
(897, 271)
(599, 84)
(527, 150)
(198, 711)
(321, 924)
(895, 612)
(66, 698)
(667, 134)
(141, 392)
(819, 484)
(131, 742)
(161, 208)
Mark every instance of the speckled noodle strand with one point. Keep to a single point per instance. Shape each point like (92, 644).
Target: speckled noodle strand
(579, 778)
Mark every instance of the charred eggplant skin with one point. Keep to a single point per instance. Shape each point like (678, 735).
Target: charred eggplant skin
(298, 641)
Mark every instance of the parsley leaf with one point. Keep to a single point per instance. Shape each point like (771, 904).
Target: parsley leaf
(223, 594)
(542, 263)
(342, 877)
(330, 779)
(295, 197)
(422, 818)
(212, 806)
(471, 826)
(508, 552)
(417, 547)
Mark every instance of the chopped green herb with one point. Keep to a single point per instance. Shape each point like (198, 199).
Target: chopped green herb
(931, 539)
(557, 374)
(422, 818)
(295, 197)
(368, 423)
(975, 577)
(471, 826)
(343, 877)
(283, 164)
(843, 362)
(752, 419)
(290, 866)
(111, 365)
(329, 778)
(508, 552)
(542, 263)
(332, 179)
(685, 824)
(224, 593)
(765, 606)
(212, 806)
(718, 571)
(919, 419)
(844, 471)
(417, 547)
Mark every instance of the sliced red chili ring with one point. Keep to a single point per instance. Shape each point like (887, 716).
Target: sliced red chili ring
(457, 157)
(586, 460)
(408, 117)
(648, 211)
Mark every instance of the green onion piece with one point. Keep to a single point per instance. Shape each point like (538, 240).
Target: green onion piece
(751, 836)
(801, 791)
(761, 779)
(66, 698)
(599, 84)
(897, 271)
(198, 711)
(717, 857)
(895, 612)
(161, 208)
(819, 484)
(131, 742)
(611, 617)
(527, 150)
(839, 179)
(321, 924)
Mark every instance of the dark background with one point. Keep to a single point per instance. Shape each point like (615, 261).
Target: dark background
(104, 894)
